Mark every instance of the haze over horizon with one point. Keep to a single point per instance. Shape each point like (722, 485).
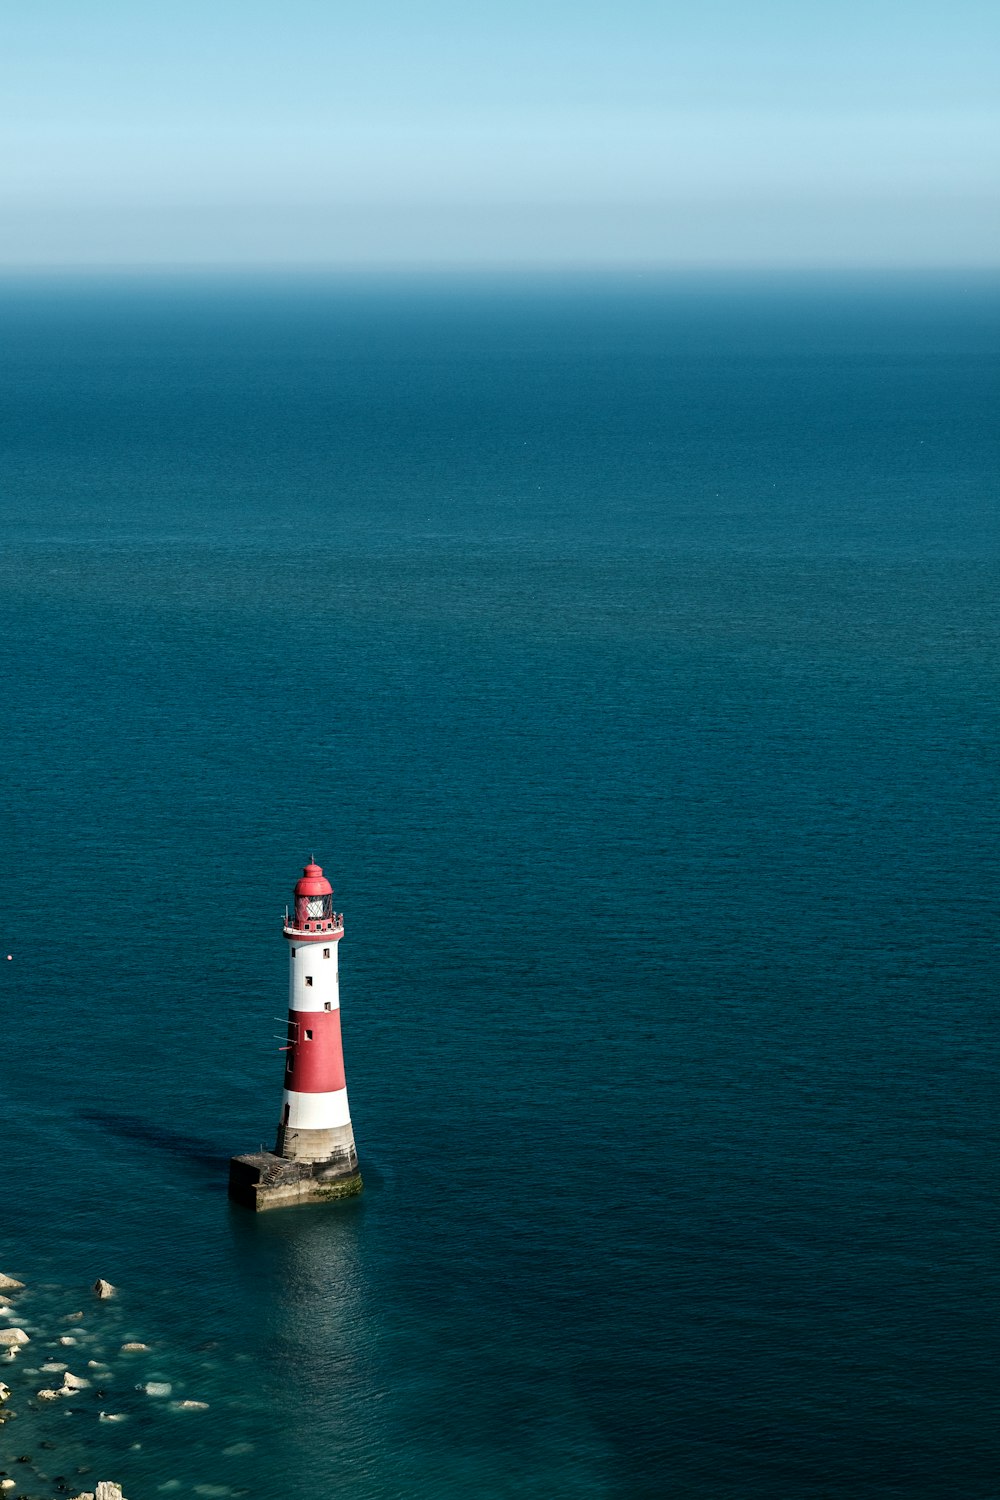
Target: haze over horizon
(717, 135)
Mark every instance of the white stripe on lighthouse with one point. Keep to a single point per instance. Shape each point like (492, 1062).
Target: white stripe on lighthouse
(313, 980)
(317, 1111)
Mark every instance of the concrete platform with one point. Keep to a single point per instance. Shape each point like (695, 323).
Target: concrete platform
(260, 1180)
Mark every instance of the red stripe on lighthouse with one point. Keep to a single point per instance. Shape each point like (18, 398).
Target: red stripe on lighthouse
(315, 1063)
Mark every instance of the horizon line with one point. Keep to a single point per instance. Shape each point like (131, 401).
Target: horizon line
(500, 267)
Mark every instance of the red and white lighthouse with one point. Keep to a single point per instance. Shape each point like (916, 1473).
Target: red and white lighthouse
(315, 1116)
(314, 1157)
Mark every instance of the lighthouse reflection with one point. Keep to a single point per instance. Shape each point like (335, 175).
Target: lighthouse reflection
(384, 1379)
(305, 1279)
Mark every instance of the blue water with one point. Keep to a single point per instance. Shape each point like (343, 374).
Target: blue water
(627, 652)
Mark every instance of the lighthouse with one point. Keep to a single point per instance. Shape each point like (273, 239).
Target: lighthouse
(314, 1157)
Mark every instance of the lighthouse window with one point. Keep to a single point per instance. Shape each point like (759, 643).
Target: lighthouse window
(327, 1005)
(309, 979)
(326, 953)
(309, 1036)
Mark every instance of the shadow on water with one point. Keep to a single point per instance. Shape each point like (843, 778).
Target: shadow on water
(133, 1129)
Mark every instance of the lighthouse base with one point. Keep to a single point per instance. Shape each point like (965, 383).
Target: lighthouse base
(261, 1180)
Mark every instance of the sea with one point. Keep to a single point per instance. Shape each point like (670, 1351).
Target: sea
(626, 650)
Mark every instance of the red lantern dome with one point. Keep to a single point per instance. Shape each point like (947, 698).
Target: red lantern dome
(313, 882)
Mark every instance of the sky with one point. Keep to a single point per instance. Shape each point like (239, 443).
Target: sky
(558, 132)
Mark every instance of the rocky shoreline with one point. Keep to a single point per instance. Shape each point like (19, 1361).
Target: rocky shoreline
(44, 1368)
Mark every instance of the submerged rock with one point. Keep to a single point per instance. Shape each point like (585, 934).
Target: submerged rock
(72, 1317)
(104, 1289)
(112, 1416)
(51, 1367)
(157, 1388)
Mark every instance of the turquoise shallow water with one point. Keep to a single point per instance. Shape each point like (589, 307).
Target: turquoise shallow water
(627, 654)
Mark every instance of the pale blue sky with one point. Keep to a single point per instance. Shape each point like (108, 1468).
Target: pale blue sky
(784, 132)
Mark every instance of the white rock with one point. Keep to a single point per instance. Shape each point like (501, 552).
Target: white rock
(92, 1364)
(75, 1382)
(157, 1387)
(107, 1491)
(48, 1395)
(189, 1405)
(8, 1484)
(112, 1416)
(9, 1336)
(72, 1317)
(104, 1289)
(67, 1339)
(131, 1348)
(8, 1284)
(4, 1392)
(84, 1495)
